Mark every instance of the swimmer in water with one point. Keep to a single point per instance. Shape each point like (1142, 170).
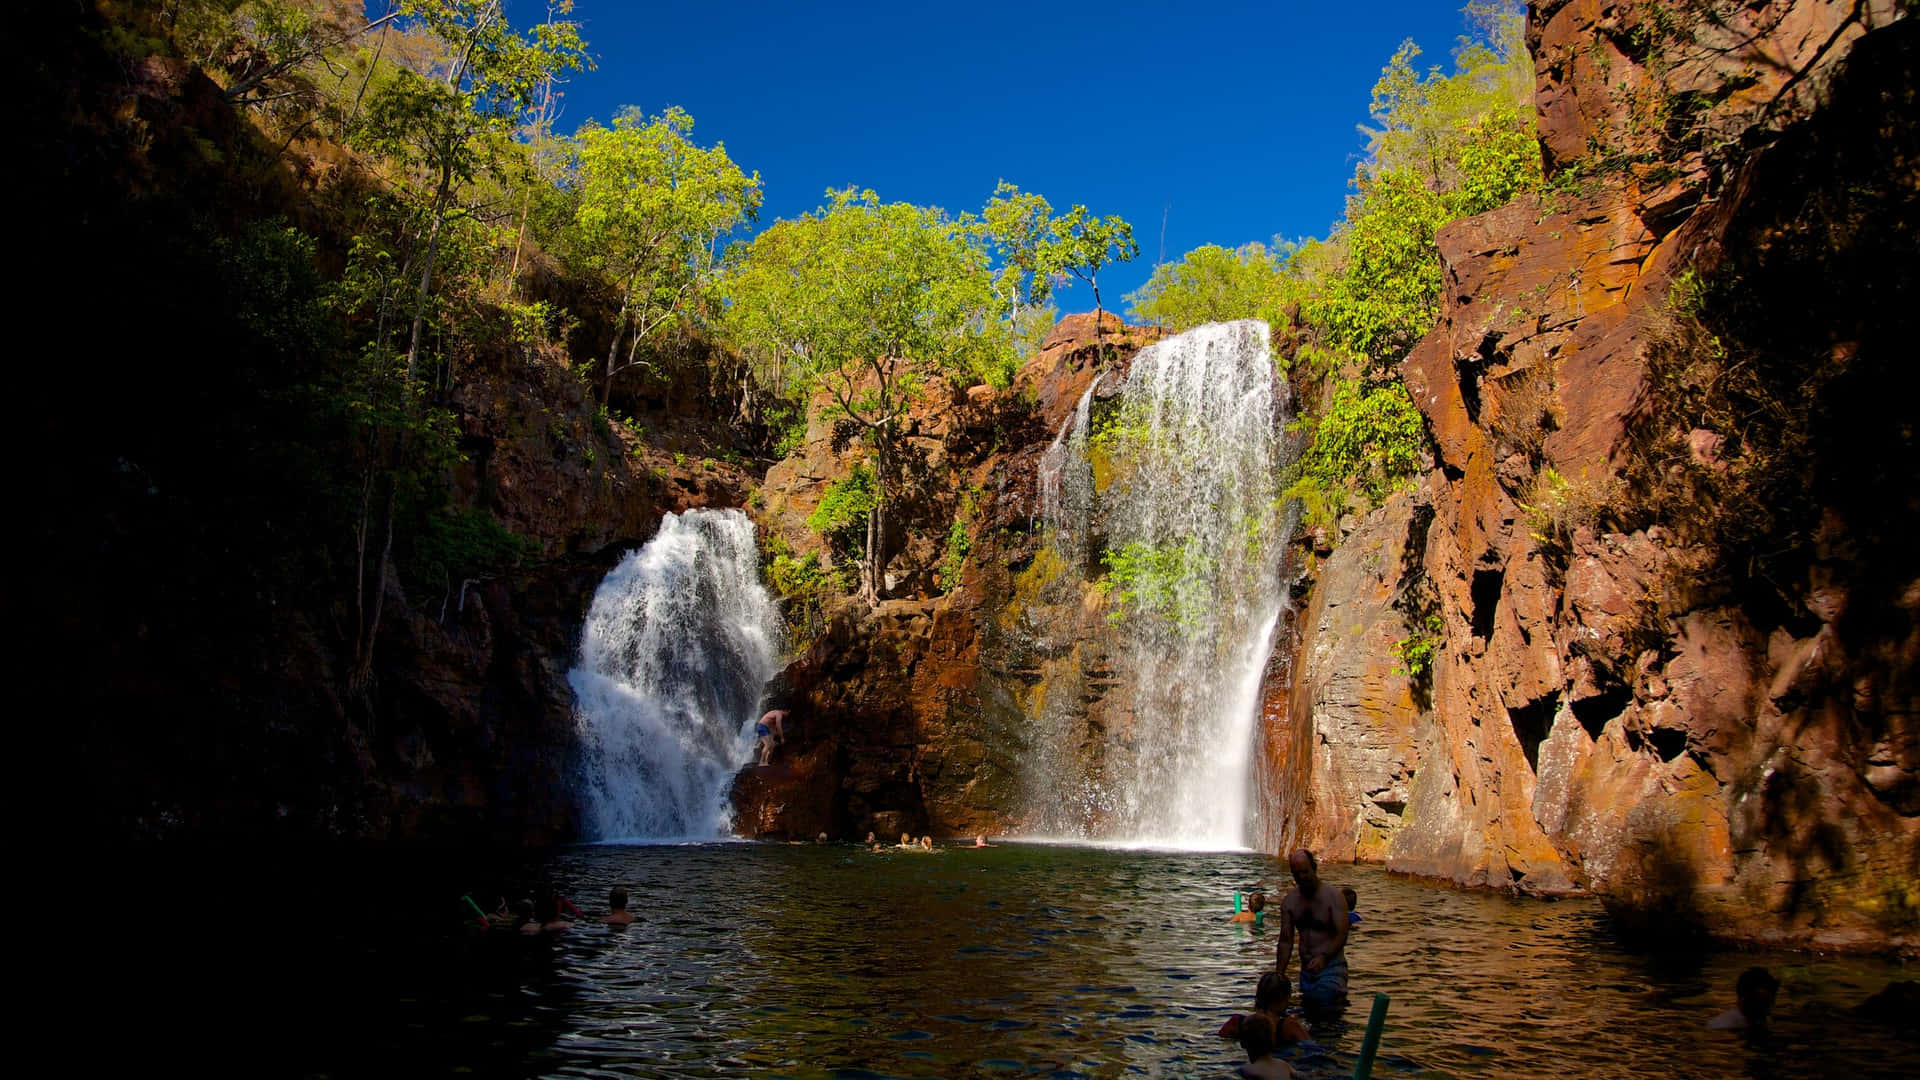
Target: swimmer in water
(1256, 905)
(1318, 914)
(926, 843)
(617, 913)
(1257, 1039)
(1270, 997)
(981, 841)
(1353, 901)
(1753, 996)
(547, 914)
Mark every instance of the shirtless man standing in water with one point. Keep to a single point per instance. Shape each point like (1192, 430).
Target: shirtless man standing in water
(1319, 913)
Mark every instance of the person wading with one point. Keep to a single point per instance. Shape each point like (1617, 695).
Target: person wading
(1318, 913)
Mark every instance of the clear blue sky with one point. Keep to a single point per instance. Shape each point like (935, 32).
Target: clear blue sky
(1239, 120)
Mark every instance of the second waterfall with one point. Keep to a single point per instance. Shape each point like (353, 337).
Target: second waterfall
(1172, 491)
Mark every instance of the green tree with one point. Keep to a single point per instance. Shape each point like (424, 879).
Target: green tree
(443, 125)
(1214, 284)
(653, 207)
(1387, 294)
(1080, 245)
(868, 301)
(1015, 225)
(439, 127)
(1424, 120)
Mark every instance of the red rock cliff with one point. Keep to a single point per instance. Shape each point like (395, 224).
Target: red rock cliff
(1669, 534)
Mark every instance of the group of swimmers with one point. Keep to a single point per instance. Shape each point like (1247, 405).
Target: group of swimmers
(1320, 918)
(551, 913)
(908, 843)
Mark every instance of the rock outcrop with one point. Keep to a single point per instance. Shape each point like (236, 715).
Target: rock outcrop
(1679, 643)
(193, 607)
(912, 716)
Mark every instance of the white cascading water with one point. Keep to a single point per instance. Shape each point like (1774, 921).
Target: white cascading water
(1194, 536)
(677, 648)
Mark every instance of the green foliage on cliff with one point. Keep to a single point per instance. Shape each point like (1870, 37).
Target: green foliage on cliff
(652, 207)
(1168, 582)
(869, 302)
(1367, 443)
(953, 561)
(1416, 651)
(845, 507)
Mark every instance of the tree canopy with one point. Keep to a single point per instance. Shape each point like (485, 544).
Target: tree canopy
(869, 301)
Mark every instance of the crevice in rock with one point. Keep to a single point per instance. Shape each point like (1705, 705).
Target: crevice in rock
(1530, 723)
(1669, 743)
(1486, 599)
(1466, 370)
(1595, 712)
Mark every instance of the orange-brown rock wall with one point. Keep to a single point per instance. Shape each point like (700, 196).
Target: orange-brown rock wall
(1706, 725)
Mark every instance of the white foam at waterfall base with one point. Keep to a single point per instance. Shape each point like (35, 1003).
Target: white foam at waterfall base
(1191, 523)
(678, 645)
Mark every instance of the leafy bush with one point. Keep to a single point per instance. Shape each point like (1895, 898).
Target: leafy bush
(842, 514)
(450, 546)
(959, 541)
(1169, 582)
(1368, 443)
(1417, 650)
(1556, 507)
(1214, 284)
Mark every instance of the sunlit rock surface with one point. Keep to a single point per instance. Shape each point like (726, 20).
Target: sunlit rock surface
(1629, 708)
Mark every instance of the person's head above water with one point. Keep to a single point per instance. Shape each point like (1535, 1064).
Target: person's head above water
(906, 840)
(1306, 872)
(1272, 993)
(617, 898)
(1256, 902)
(1257, 1035)
(1755, 990)
(1352, 898)
(871, 839)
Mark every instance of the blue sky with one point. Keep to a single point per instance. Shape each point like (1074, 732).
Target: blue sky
(1239, 121)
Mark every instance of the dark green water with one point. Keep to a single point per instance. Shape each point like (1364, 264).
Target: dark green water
(1021, 960)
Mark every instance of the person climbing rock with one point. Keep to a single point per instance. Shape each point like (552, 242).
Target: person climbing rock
(772, 728)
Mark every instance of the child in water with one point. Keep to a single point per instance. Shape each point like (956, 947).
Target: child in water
(1257, 1039)
(1270, 998)
(1353, 898)
(1256, 907)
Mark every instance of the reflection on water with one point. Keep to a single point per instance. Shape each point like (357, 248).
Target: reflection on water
(1024, 960)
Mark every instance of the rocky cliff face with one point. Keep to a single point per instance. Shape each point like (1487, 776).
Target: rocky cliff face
(194, 644)
(1668, 534)
(912, 717)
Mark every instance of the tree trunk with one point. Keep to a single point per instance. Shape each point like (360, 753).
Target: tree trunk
(440, 199)
(613, 350)
(877, 522)
(363, 671)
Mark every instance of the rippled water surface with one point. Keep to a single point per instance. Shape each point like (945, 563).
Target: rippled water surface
(1028, 960)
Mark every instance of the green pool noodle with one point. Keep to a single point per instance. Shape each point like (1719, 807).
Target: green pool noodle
(1363, 1069)
(476, 910)
(1236, 903)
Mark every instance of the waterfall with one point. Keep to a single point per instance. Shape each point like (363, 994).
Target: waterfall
(1193, 532)
(678, 644)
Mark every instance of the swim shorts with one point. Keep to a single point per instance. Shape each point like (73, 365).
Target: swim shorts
(762, 730)
(1327, 988)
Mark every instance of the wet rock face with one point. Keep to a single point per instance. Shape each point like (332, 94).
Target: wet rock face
(1679, 649)
(911, 717)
